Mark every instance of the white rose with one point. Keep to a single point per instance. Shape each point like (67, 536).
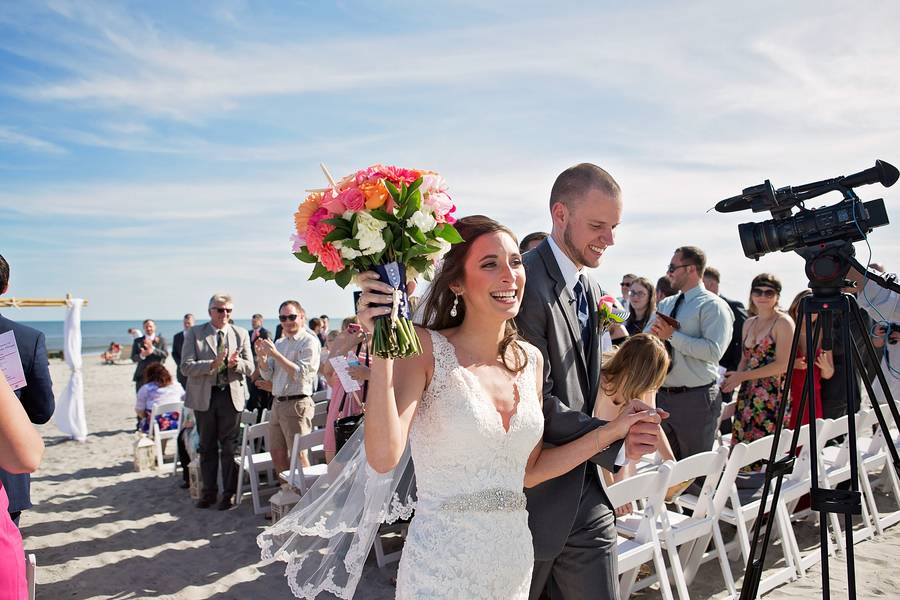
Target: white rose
(346, 251)
(425, 222)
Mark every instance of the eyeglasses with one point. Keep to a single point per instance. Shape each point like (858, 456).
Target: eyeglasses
(625, 284)
(672, 268)
(636, 293)
(222, 310)
(290, 318)
(767, 292)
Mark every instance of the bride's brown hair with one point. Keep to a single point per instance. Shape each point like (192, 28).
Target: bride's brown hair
(439, 298)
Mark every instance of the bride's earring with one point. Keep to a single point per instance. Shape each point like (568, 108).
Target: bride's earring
(453, 311)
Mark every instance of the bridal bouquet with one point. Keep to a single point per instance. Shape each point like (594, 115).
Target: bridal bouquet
(609, 313)
(396, 221)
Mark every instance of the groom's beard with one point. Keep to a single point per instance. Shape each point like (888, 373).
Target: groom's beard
(574, 253)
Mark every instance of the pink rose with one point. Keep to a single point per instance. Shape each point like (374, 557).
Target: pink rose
(338, 203)
(331, 259)
(316, 231)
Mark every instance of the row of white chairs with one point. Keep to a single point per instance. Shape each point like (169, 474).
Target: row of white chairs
(257, 463)
(654, 527)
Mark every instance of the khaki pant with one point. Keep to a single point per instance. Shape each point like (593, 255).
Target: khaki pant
(288, 418)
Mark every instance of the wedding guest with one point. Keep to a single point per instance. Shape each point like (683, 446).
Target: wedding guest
(834, 389)
(177, 342)
(636, 369)
(134, 333)
(690, 392)
(664, 289)
(532, 241)
(318, 329)
(883, 307)
(146, 350)
(642, 304)
(36, 397)
(215, 358)
(624, 286)
(766, 341)
(21, 449)
(158, 388)
(823, 367)
(349, 339)
(112, 353)
(260, 399)
(732, 357)
(324, 319)
(292, 365)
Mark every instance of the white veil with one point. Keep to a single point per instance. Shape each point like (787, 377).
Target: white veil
(327, 536)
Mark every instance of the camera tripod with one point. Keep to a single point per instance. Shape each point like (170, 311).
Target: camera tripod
(827, 266)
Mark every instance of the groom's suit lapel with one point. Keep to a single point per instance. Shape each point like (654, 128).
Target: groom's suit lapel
(566, 302)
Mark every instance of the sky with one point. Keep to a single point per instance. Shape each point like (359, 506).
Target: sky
(152, 154)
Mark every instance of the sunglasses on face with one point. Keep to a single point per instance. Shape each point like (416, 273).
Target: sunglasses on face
(767, 292)
(625, 284)
(222, 310)
(290, 318)
(672, 268)
(636, 293)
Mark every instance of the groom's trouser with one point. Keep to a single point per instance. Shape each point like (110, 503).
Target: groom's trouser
(693, 417)
(587, 566)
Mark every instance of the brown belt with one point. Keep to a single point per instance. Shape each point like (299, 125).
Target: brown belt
(295, 397)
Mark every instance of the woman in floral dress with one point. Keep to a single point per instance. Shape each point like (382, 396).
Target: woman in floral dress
(767, 343)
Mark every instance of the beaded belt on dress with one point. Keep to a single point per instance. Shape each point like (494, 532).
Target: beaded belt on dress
(486, 501)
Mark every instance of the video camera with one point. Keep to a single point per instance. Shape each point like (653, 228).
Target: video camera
(848, 220)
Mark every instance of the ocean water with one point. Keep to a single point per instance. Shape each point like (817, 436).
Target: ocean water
(96, 335)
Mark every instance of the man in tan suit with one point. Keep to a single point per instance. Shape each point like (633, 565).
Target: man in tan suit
(215, 358)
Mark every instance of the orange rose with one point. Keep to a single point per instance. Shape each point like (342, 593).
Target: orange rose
(375, 192)
(306, 210)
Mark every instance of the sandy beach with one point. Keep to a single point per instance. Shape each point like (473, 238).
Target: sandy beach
(100, 530)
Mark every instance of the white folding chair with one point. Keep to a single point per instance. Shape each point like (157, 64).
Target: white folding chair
(873, 455)
(321, 396)
(255, 464)
(158, 436)
(679, 533)
(320, 418)
(727, 414)
(30, 574)
(834, 469)
(644, 546)
(297, 476)
(742, 514)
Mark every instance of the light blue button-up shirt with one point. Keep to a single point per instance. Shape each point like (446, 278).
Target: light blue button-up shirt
(706, 328)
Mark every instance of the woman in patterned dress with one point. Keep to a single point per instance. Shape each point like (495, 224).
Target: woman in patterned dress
(766, 343)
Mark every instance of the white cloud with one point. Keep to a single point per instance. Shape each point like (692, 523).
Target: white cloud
(11, 137)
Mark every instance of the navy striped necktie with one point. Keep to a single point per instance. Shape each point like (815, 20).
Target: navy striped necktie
(581, 306)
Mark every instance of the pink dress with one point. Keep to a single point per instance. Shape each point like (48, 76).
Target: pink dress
(351, 407)
(12, 556)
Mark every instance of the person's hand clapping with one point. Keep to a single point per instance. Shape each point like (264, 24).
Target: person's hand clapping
(219, 360)
(376, 300)
(233, 360)
(732, 380)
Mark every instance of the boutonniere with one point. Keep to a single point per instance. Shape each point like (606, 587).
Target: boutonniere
(609, 313)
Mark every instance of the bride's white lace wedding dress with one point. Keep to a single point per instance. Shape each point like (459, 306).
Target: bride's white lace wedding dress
(469, 537)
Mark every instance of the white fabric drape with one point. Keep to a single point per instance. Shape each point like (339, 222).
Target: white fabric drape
(69, 415)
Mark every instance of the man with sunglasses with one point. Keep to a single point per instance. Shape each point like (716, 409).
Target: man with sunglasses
(292, 365)
(216, 357)
(690, 393)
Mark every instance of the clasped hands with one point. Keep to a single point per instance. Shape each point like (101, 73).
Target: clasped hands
(639, 425)
(222, 356)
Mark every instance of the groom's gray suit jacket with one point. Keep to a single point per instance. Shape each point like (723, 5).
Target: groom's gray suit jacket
(548, 320)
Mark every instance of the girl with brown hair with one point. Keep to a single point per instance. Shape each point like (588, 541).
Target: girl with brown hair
(641, 304)
(823, 368)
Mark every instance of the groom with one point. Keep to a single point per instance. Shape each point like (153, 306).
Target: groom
(571, 519)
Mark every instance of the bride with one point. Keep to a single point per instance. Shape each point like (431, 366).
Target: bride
(470, 408)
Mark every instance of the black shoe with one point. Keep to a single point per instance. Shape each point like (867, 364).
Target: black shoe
(205, 503)
(225, 503)
(185, 485)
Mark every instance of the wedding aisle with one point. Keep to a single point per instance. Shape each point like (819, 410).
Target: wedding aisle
(100, 530)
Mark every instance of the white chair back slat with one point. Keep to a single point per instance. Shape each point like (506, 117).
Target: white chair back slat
(296, 477)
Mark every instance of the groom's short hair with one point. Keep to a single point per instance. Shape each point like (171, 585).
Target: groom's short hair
(574, 183)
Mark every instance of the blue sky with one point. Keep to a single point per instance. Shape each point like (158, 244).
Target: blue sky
(153, 153)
